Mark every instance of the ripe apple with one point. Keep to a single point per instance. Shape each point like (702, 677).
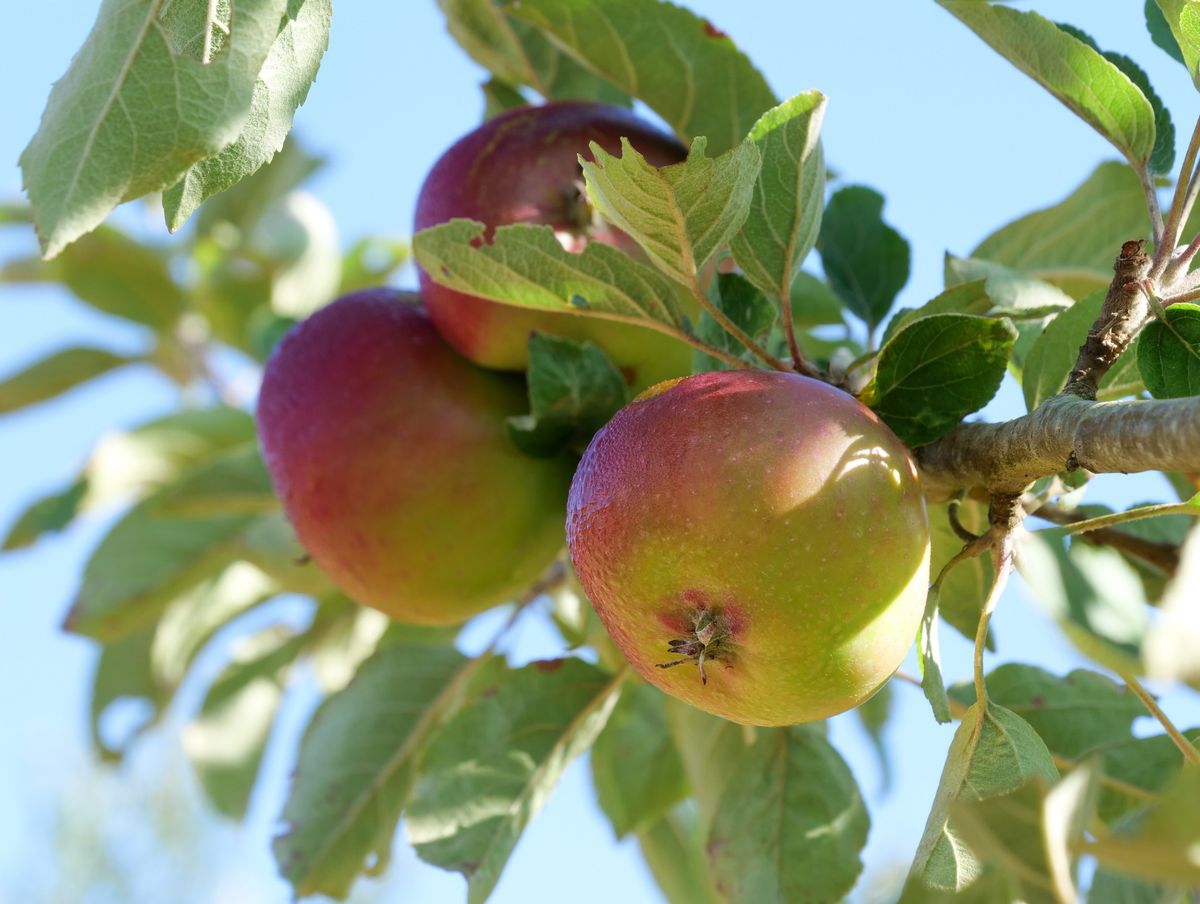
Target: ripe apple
(390, 454)
(755, 543)
(522, 167)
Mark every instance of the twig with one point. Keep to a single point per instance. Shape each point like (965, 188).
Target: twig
(1176, 215)
(1004, 515)
(1156, 219)
(1189, 751)
(736, 331)
(1141, 513)
(1179, 263)
(1189, 295)
(1163, 556)
(800, 363)
(960, 529)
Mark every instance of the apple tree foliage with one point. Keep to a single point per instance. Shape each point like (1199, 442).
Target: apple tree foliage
(1044, 784)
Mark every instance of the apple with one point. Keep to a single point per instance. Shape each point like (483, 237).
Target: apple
(392, 459)
(522, 167)
(755, 543)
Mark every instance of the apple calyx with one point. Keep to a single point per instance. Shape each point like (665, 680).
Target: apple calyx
(710, 640)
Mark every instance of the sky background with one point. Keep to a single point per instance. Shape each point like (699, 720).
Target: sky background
(959, 142)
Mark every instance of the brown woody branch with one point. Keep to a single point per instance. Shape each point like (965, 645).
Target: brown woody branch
(1163, 556)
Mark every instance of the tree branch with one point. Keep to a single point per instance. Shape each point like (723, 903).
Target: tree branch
(1163, 556)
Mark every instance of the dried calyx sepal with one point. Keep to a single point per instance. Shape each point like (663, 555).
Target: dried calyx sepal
(709, 640)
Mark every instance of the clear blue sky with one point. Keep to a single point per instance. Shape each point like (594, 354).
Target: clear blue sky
(957, 140)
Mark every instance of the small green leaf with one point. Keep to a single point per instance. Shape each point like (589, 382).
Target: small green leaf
(1073, 243)
(574, 389)
(56, 374)
(1183, 19)
(785, 214)
(964, 298)
(686, 70)
(499, 97)
(1079, 76)
(1168, 353)
(681, 214)
(356, 763)
(743, 303)
(527, 267)
(866, 261)
(281, 87)
(123, 673)
(135, 109)
(929, 660)
(938, 369)
(791, 824)
(111, 273)
(813, 302)
(1160, 31)
(673, 849)
(1073, 714)
(226, 741)
(491, 768)
(371, 261)
(636, 769)
(47, 515)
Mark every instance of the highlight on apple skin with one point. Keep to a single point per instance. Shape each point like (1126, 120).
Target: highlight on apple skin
(522, 167)
(391, 456)
(756, 544)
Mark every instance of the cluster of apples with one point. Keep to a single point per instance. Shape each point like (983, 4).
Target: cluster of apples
(764, 527)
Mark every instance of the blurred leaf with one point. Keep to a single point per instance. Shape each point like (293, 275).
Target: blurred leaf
(356, 761)
(866, 261)
(1079, 76)
(488, 772)
(1093, 593)
(673, 849)
(519, 54)
(1183, 19)
(1165, 845)
(1168, 353)
(49, 514)
(1147, 763)
(813, 302)
(269, 542)
(994, 752)
(111, 273)
(123, 673)
(636, 769)
(527, 267)
(1120, 888)
(747, 307)
(665, 56)
(236, 483)
(791, 824)
(711, 749)
(681, 214)
(55, 374)
(1172, 650)
(499, 97)
(226, 741)
(280, 88)
(1055, 351)
(1073, 715)
(938, 369)
(133, 112)
(964, 298)
(929, 659)
(371, 262)
(1072, 244)
(789, 194)
(15, 213)
(298, 238)
(966, 585)
(1067, 812)
(574, 389)
(1160, 31)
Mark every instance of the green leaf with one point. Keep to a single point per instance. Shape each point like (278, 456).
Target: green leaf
(688, 72)
(1073, 243)
(1168, 353)
(1146, 763)
(673, 849)
(49, 514)
(636, 769)
(1160, 31)
(1055, 351)
(356, 764)
(519, 54)
(1073, 715)
(791, 823)
(499, 97)
(966, 586)
(938, 369)
(785, 213)
(994, 752)
(527, 267)
(281, 87)
(226, 741)
(1119, 888)
(866, 261)
(1183, 19)
(813, 302)
(111, 273)
(236, 483)
(711, 749)
(56, 374)
(371, 261)
(680, 215)
(964, 298)
(929, 660)
(123, 673)
(574, 389)
(1092, 592)
(491, 768)
(134, 111)
(747, 307)
(1079, 76)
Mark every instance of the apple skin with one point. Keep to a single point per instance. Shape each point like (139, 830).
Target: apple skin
(391, 456)
(776, 506)
(522, 167)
